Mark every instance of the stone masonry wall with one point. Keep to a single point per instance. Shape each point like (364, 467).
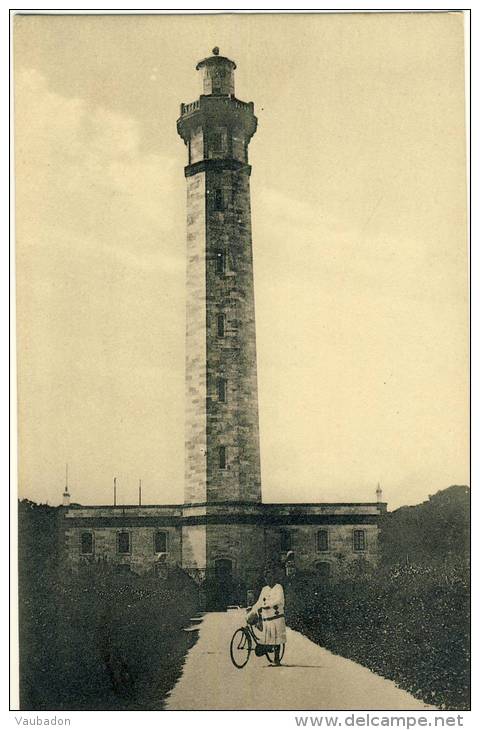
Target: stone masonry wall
(249, 535)
(243, 545)
(340, 553)
(196, 146)
(233, 423)
(196, 354)
(141, 557)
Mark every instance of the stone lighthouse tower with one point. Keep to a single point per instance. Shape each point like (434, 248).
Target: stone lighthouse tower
(223, 534)
(222, 462)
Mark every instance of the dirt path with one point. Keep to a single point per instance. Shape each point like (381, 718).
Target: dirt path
(311, 679)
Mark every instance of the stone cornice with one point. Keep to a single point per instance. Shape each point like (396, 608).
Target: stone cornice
(263, 506)
(217, 165)
(262, 520)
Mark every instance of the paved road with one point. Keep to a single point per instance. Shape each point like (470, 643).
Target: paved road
(311, 679)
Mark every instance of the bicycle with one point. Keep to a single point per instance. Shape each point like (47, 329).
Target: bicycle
(244, 640)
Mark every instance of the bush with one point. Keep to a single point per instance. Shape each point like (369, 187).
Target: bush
(96, 640)
(407, 623)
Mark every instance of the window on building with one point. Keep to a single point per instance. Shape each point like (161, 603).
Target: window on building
(218, 200)
(323, 570)
(220, 325)
(222, 457)
(222, 390)
(322, 541)
(216, 143)
(123, 542)
(220, 261)
(359, 542)
(160, 542)
(216, 82)
(285, 541)
(86, 543)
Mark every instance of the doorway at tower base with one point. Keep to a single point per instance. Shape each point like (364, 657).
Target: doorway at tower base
(226, 559)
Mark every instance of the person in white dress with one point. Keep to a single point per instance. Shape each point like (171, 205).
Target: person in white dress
(270, 607)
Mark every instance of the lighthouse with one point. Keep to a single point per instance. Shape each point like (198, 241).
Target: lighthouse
(222, 451)
(223, 534)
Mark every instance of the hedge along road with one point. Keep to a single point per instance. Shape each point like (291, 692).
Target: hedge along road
(311, 677)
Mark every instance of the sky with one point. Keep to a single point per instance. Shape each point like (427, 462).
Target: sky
(359, 236)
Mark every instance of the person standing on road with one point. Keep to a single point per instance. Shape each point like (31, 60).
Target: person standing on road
(270, 607)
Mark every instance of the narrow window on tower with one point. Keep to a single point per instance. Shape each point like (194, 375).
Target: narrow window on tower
(222, 390)
(217, 78)
(218, 200)
(215, 144)
(220, 325)
(222, 457)
(220, 262)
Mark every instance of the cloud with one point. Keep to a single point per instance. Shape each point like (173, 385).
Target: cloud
(83, 169)
(360, 325)
(100, 274)
(383, 263)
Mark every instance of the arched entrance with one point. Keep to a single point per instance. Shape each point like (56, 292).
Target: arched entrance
(222, 584)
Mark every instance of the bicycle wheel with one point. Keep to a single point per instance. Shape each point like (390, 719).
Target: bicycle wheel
(240, 648)
(271, 654)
